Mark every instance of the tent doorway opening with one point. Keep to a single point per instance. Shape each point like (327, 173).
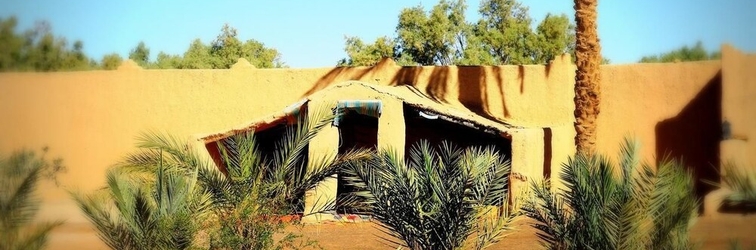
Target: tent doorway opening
(356, 131)
(420, 125)
(436, 128)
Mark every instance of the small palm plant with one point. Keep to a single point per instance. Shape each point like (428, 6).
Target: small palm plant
(635, 208)
(19, 175)
(135, 214)
(743, 185)
(250, 198)
(438, 198)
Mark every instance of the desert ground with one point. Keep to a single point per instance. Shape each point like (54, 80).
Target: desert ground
(711, 232)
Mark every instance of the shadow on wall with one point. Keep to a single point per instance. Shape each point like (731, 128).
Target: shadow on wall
(338, 74)
(471, 85)
(433, 81)
(547, 154)
(693, 135)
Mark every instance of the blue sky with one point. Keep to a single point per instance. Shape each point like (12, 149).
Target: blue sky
(311, 33)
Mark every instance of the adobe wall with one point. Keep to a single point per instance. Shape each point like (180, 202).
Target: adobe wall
(739, 106)
(91, 118)
(673, 110)
(639, 100)
(501, 92)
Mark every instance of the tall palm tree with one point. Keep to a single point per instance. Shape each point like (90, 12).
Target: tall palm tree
(437, 198)
(587, 76)
(637, 208)
(19, 175)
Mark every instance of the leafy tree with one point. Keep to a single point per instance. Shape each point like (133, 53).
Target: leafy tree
(227, 49)
(436, 38)
(637, 208)
(361, 54)
(38, 49)
(140, 54)
(436, 199)
(506, 34)
(442, 36)
(197, 56)
(12, 53)
(111, 61)
(262, 57)
(166, 61)
(76, 59)
(475, 52)
(505, 30)
(19, 175)
(555, 37)
(684, 54)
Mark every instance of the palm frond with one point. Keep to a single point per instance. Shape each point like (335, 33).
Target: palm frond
(129, 215)
(635, 209)
(20, 206)
(742, 182)
(19, 175)
(438, 197)
(290, 148)
(36, 238)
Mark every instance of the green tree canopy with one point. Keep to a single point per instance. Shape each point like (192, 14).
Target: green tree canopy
(197, 56)
(166, 61)
(505, 30)
(504, 34)
(227, 49)
(111, 61)
(435, 38)
(361, 54)
(683, 54)
(262, 57)
(554, 37)
(221, 53)
(140, 54)
(38, 49)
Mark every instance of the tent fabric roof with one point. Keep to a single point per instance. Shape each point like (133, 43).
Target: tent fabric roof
(288, 115)
(407, 94)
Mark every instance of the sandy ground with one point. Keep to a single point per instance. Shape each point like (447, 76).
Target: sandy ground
(709, 232)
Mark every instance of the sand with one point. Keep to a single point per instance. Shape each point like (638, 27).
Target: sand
(709, 232)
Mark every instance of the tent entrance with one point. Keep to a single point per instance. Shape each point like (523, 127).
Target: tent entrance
(356, 131)
(436, 128)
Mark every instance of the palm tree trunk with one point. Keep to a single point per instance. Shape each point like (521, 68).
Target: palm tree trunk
(587, 76)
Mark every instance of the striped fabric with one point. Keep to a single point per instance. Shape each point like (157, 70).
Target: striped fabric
(372, 108)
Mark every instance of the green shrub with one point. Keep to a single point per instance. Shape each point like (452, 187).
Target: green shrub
(250, 198)
(137, 214)
(436, 199)
(19, 175)
(743, 185)
(635, 208)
